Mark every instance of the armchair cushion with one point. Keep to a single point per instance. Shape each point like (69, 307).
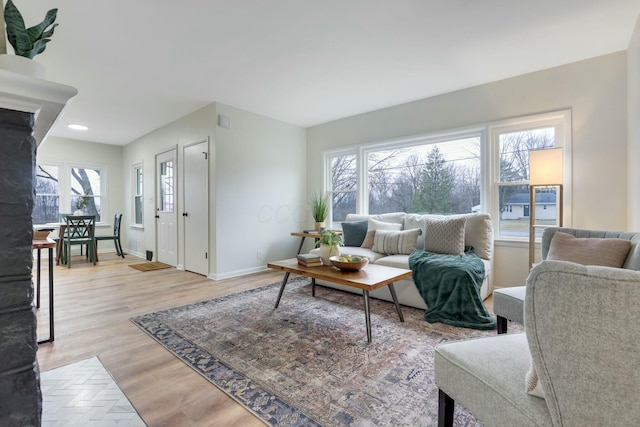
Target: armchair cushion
(608, 252)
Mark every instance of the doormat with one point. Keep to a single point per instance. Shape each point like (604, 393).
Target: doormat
(149, 266)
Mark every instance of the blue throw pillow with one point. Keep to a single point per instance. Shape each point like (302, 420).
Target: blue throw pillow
(354, 232)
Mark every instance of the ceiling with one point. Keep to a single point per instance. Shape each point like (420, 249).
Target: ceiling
(141, 64)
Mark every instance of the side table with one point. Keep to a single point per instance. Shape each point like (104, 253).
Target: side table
(311, 234)
(39, 245)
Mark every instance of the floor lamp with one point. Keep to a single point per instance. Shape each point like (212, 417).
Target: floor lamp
(545, 170)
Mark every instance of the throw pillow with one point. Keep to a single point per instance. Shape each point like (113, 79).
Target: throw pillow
(395, 242)
(374, 225)
(534, 387)
(445, 235)
(354, 232)
(608, 252)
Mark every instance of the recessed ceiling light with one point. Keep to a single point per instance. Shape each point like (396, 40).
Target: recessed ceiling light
(75, 126)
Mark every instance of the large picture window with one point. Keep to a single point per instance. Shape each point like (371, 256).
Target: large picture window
(86, 191)
(484, 169)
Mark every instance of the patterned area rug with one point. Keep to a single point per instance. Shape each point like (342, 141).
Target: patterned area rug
(149, 266)
(308, 362)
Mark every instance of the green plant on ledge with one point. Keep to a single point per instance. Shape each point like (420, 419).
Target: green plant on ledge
(319, 207)
(28, 42)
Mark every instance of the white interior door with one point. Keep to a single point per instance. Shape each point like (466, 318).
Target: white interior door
(196, 208)
(166, 215)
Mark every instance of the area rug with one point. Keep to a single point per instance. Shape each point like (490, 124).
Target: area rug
(149, 266)
(308, 363)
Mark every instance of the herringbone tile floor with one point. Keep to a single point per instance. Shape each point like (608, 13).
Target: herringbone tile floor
(84, 394)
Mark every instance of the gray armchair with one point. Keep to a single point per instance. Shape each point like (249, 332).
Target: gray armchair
(508, 303)
(582, 336)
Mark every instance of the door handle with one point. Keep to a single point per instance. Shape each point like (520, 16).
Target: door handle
(185, 214)
(157, 216)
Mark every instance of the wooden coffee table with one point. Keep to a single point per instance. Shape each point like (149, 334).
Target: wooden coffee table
(371, 277)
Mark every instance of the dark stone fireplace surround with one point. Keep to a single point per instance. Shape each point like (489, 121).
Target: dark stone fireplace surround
(20, 395)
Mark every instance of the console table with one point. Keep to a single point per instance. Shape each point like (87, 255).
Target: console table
(39, 245)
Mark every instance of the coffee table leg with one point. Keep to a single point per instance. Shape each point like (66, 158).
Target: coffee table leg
(313, 287)
(367, 314)
(284, 283)
(392, 290)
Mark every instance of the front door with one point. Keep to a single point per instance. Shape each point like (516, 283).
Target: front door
(196, 208)
(166, 216)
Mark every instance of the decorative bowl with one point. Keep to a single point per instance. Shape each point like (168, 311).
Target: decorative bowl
(349, 262)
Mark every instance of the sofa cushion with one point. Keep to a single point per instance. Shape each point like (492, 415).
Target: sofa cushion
(354, 232)
(412, 221)
(395, 217)
(445, 235)
(608, 252)
(395, 242)
(374, 225)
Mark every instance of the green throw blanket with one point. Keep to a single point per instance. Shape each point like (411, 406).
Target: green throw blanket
(450, 286)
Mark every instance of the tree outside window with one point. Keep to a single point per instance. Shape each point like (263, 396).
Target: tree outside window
(47, 204)
(85, 191)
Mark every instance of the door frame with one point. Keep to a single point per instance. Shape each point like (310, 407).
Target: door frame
(205, 226)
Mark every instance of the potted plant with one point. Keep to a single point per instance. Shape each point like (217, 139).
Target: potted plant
(329, 244)
(26, 42)
(319, 210)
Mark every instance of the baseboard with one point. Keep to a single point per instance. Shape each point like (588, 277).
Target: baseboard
(238, 273)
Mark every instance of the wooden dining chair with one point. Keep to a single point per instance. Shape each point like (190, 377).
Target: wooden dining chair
(117, 220)
(80, 230)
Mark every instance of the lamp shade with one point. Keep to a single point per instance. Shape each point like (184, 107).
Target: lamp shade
(545, 167)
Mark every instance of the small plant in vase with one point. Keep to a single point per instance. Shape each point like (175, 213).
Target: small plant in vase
(329, 244)
(319, 210)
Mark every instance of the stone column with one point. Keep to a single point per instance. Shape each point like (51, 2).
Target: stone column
(20, 395)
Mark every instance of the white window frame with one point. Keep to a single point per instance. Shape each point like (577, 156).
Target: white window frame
(561, 121)
(64, 186)
(134, 191)
(489, 159)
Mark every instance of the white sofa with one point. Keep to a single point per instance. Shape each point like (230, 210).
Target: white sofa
(478, 233)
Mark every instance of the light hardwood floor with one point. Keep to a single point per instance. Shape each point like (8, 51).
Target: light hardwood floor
(93, 305)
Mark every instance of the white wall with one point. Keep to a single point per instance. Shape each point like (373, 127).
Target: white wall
(192, 128)
(633, 100)
(70, 151)
(595, 90)
(256, 185)
(261, 170)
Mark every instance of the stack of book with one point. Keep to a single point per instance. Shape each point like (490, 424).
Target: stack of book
(309, 260)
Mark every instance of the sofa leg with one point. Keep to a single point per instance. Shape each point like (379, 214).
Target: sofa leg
(502, 324)
(445, 409)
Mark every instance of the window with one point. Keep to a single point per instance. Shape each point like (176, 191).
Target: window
(47, 203)
(482, 169)
(512, 140)
(85, 191)
(343, 174)
(65, 189)
(432, 177)
(137, 194)
(167, 186)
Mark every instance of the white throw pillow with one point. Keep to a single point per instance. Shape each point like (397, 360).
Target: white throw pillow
(445, 235)
(395, 242)
(377, 225)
